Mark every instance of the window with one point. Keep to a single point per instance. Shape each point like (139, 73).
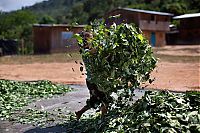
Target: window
(152, 17)
(67, 39)
(67, 35)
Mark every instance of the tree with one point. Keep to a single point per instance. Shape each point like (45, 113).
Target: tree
(78, 13)
(194, 5)
(46, 19)
(18, 25)
(175, 8)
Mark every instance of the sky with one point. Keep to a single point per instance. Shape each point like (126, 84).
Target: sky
(10, 5)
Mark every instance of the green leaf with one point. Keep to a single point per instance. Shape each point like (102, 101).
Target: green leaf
(79, 38)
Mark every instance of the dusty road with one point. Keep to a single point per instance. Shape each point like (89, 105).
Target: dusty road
(173, 76)
(178, 76)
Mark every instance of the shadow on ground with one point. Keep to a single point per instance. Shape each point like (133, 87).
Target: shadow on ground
(55, 129)
(73, 126)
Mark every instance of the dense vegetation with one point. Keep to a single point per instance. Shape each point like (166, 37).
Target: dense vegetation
(15, 95)
(84, 11)
(17, 24)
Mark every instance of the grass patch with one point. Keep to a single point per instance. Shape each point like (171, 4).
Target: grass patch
(46, 58)
(178, 59)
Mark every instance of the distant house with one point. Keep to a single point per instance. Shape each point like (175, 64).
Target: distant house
(51, 38)
(188, 32)
(153, 24)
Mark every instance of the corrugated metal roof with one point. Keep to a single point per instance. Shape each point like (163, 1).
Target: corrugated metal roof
(57, 25)
(147, 11)
(187, 16)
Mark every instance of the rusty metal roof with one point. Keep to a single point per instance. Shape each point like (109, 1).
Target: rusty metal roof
(192, 15)
(147, 11)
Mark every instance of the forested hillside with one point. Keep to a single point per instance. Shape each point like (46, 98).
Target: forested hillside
(83, 11)
(57, 9)
(17, 24)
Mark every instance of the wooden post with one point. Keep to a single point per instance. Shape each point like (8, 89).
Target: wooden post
(22, 46)
(1, 52)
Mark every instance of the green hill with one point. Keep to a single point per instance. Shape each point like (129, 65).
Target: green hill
(83, 11)
(57, 9)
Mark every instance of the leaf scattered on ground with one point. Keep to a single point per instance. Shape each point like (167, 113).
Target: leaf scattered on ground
(156, 112)
(14, 96)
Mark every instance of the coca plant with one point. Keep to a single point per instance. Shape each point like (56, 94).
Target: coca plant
(123, 58)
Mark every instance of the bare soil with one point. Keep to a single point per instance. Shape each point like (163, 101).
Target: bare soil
(175, 76)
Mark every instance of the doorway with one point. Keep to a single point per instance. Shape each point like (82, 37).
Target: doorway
(153, 39)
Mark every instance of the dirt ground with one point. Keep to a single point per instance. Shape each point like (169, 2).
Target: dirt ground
(178, 76)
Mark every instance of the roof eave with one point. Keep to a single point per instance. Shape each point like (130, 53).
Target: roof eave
(147, 11)
(185, 16)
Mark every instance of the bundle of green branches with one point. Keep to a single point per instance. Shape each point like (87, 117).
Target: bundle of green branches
(122, 59)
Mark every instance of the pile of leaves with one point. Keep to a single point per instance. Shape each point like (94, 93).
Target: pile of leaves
(15, 95)
(123, 57)
(156, 111)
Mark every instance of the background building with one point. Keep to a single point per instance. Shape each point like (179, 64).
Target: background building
(48, 38)
(153, 24)
(188, 31)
